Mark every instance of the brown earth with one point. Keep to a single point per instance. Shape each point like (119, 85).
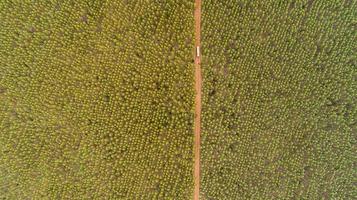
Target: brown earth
(198, 89)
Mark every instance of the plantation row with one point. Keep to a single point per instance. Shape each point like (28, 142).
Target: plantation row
(96, 100)
(279, 105)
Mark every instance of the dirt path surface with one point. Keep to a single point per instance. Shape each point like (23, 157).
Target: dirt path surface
(198, 89)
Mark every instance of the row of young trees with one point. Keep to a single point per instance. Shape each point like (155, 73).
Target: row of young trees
(96, 99)
(279, 100)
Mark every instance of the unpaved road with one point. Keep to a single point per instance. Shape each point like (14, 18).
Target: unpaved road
(198, 89)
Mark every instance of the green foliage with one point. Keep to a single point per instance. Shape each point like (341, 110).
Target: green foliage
(96, 99)
(280, 99)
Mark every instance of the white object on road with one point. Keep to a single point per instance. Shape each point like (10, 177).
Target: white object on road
(198, 51)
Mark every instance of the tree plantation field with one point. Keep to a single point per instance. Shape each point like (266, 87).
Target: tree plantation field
(178, 99)
(279, 99)
(96, 99)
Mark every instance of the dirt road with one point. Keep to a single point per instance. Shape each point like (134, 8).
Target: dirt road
(198, 88)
